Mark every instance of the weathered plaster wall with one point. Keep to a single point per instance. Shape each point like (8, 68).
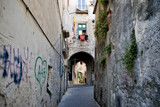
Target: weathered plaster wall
(29, 65)
(114, 86)
(48, 19)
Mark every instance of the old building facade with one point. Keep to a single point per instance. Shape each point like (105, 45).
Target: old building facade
(81, 41)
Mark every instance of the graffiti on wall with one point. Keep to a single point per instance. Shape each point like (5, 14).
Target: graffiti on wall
(40, 71)
(13, 65)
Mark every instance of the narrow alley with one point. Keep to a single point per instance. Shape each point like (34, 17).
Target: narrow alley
(79, 53)
(79, 96)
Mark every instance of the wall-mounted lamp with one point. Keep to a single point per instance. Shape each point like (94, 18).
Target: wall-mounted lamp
(74, 39)
(93, 21)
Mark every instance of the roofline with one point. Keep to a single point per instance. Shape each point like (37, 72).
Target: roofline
(95, 7)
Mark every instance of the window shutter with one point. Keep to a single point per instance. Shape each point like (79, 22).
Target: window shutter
(81, 27)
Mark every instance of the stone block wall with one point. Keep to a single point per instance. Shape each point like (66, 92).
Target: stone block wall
(115, 87)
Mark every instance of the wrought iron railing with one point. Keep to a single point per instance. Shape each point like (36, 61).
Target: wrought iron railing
(82, 7)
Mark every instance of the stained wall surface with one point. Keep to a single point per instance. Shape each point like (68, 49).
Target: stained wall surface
(30, 53)
(114, 86)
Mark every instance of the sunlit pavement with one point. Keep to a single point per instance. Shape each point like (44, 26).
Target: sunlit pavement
(79, 96)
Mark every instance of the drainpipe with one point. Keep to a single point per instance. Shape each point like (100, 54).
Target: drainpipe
(60, 68)
(67, 75)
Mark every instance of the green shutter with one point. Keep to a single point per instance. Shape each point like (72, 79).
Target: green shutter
(82, 27)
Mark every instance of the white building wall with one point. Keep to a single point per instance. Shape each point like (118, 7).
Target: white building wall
(85, 46)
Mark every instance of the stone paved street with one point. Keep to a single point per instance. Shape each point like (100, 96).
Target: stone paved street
(79, 96)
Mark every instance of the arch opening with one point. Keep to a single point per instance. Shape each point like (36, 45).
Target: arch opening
(80, 73)
(81, 69)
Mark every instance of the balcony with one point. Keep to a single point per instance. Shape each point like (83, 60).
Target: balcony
(83, 37)
(81, 9)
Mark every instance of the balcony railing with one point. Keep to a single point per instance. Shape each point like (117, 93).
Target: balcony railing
(81, 9)
(83, 37)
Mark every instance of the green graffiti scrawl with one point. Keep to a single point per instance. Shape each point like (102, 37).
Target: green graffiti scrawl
(40, 71)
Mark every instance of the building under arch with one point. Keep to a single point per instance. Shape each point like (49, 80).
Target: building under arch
(81, 58)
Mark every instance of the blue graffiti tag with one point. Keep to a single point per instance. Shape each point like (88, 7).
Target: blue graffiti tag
(15, 74)
(16, 67)
(4, 58)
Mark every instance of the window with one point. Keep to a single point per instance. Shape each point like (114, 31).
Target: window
(82, 31)
(81, 4)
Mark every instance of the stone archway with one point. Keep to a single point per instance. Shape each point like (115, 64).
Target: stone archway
(88, 60)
